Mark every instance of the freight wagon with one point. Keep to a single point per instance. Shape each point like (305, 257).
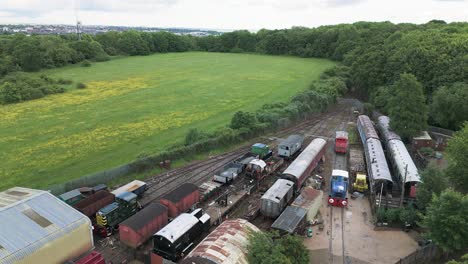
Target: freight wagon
(227, 175)
(291, 146)
(276, 198)
(259, 169)
(137, 229)
(137, 187)
(91, 204)
(175, 239)
(181, 199)
(305, 163)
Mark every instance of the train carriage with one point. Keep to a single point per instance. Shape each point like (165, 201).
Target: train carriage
(383, 124)
(305, 163)
(289, 147)
(276, 198)
(404, 166)
(377, 167)
(366, 129)
(341, 142)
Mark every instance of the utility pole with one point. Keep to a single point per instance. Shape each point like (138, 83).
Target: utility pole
(403, 187)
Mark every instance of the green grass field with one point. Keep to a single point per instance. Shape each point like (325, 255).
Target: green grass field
(134, 106)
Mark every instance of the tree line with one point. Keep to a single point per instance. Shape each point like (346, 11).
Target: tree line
(377, 54)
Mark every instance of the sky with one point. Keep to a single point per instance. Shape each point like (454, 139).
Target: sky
(229, 14)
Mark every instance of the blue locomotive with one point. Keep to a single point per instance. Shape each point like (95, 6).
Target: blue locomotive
(338, 195)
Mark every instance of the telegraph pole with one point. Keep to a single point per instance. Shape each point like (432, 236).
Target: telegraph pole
(403, 187)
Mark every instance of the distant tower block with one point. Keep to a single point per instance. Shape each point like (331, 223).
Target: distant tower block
(78, 29)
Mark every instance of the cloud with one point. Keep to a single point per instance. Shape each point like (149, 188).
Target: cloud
(336, 3)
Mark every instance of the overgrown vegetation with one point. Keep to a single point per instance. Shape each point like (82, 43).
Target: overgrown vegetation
(268, 247)
(19, 87)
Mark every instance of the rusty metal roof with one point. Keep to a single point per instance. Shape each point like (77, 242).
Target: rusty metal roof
(307, 197)
(226, 244)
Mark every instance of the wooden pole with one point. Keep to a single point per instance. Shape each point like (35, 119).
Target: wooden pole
(403, 187)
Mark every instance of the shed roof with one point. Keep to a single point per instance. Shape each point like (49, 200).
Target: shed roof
(147, 214)
(423, 136)
(181, 192)
(307, 197)
(290, 219)
(226, 244)
(30, 219)
(279, 189)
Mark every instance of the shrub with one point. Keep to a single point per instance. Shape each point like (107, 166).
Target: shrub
(426, 151)
(80, 85)
(86, 63)
(64, 81)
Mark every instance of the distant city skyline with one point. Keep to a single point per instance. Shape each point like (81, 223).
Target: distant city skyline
(229, 14)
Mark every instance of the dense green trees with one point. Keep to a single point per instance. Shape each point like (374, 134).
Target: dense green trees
(434, 181)
(449, 107)
(446, 222)
(407, 109)
(457, 155)
(20, 87)
(268, 248)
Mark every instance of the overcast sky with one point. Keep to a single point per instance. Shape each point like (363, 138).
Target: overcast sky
(229, 14)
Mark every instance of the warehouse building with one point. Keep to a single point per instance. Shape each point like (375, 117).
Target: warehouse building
(37, 227)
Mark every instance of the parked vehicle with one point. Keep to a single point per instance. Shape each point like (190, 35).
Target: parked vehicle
(299, 170)
(137, 229)
(360, 184)
(259, 169)
(261, 150)
(177, 238)
(341, 142)
(276, 198)
(91, 204)
(71, 197)
(226, 175)
(338, 195)
(291, 146)
(137, 187)
(109, 217)
(181, 199)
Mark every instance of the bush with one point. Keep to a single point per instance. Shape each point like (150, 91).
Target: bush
(426, 151)
(237, 50)
(368, 109)
(86, 63)
(64, 82)
(19, 87)
(81, 85)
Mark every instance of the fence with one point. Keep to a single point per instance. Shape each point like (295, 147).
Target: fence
(421, 255)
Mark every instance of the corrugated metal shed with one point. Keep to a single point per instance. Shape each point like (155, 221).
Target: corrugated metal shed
(310, 199)
(37, 227)
(290, 219)
(225, 245)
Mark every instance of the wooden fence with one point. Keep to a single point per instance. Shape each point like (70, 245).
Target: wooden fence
(421, 255)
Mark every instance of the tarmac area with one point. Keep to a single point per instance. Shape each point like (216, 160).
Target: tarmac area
(348, 235)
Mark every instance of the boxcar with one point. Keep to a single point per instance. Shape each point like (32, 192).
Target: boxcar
(276, 198)
(175, 239)
(91, 204)
(305, 163)
(137, 229)
(181, 199)
(290, 146)
(366, 129)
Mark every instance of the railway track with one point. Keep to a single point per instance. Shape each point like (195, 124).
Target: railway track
(200, 171)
